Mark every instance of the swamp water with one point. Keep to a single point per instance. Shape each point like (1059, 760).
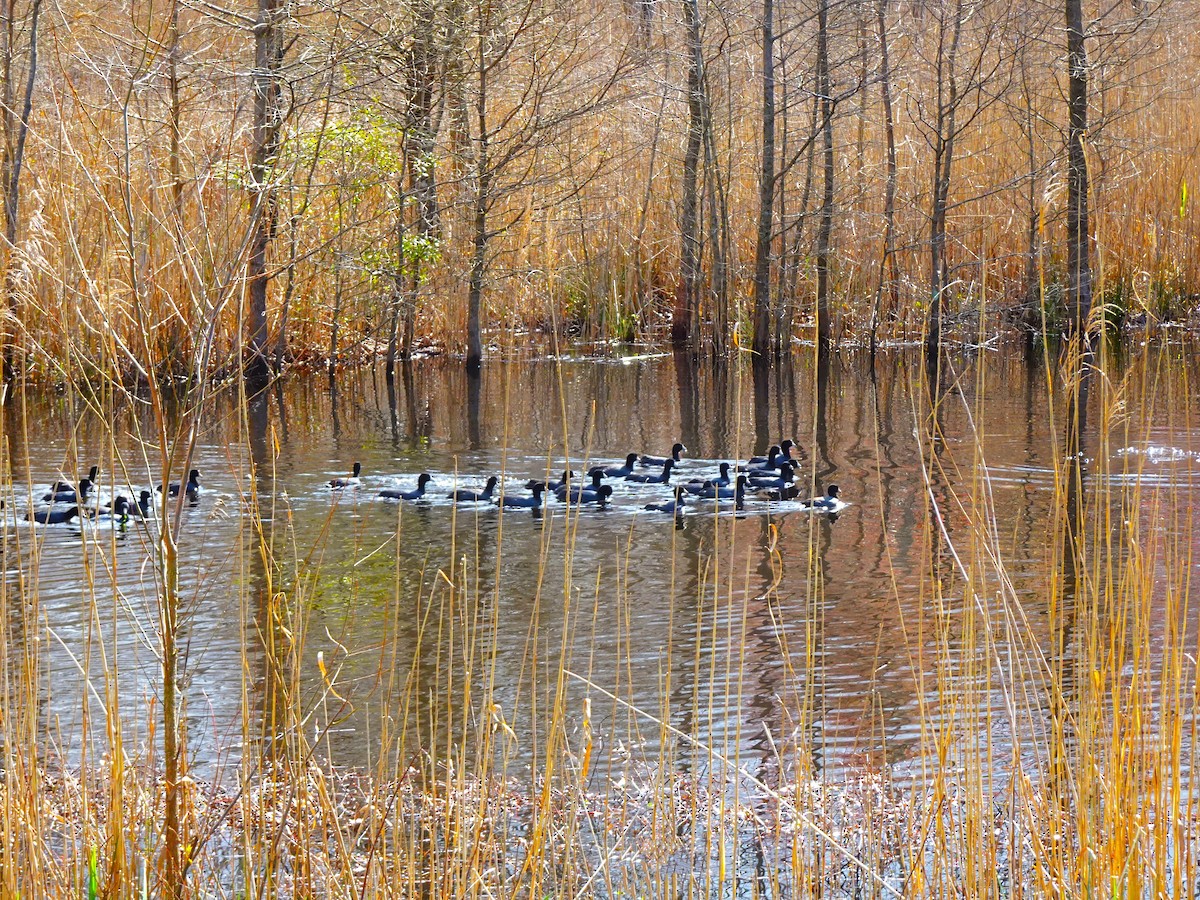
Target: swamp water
(746, 633)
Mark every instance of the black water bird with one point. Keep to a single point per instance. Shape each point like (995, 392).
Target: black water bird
(715, 492)
(416, 494)
(597, 475)
(781, 492)
(62, 486)
(347, 481)
(697, 486)
(663, 478)
(534, 502)
(786, 473)
(53, 516)
(671, 506)
(625, 470)
(191, 489)
(68, 494)
(138, 509)
(142, 507)
(830, 502)
(676, 452)
(782, 453)
(567, 477)
(116, 516)
(469, 496)
(600, 493)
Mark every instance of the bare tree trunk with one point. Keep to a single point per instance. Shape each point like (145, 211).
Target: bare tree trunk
(766, 190)
(14, 158)
(825, 230)
(686, 300)
(482, 200)
(792, 265)
(889, 196)
(268, 64)
(718, 239)
(1079, 273)
(1032, 313)
(419, 145)
(943, 160)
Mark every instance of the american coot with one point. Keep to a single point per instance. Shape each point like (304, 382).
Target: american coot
(142, 507)
(191, 489)
(347, 481)
(663, 478)
(597, 474)
(786, 473)
(698, 486)
(625, 470)
(785, 451)
(672, 506)
(758, 464)
(416, 494)
(715, 492)
(53, 516)
(465, 496)
(70, 495)
(567, 476)
(139, 509)
(115, 517)
(534, 502)
(600, 493)
(676, 452)
(828, 503)
(782, 492)
(63, 486)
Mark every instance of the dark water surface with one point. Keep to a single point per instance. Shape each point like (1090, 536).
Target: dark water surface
(767, 629)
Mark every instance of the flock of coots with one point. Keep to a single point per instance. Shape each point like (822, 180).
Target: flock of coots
(65, 503)
(769, 478)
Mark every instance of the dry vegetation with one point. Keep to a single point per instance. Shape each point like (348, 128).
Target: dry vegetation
(137, 193)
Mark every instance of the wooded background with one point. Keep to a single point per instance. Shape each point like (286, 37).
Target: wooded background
(188, 182)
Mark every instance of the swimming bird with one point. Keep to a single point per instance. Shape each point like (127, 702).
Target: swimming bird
(663, 478)
(69, 495)
(142, 507)
(786, 473)
(828, 503)
(534, 502)
(782, 492)
(191, 489)
(396, 494)
(53, 516)
(115, 517)
(347, 481)
(600, 493)
(567, 476)
(625, 470)
(698, 486)
(784, 450)
(597, 474)
(774, 459)
(62, 486)
(676, 451)
(468, 496)
(671, 506)
(715, 492)
(139, 509)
